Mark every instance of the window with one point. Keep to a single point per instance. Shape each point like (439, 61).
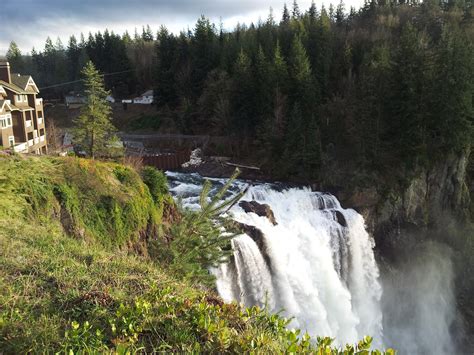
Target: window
(21, 98)
(5, 121)
(40, 114)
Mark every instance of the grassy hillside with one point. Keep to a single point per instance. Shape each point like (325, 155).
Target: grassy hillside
(75, 273)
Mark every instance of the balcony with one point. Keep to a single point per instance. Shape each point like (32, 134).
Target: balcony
(41, 138)
(30, 142)
(20, 148)
(39, 102)
(40, 120)
(36, 140)
(28, 123)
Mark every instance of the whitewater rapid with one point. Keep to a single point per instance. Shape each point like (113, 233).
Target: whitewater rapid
(316, 265)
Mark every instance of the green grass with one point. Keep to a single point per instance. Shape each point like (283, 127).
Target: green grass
(65, 288)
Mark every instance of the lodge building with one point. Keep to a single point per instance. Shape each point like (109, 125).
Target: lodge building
(22, 126)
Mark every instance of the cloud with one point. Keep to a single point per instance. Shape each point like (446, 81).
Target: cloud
(30, 22)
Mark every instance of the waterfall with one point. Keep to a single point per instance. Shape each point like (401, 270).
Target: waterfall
(317, 266)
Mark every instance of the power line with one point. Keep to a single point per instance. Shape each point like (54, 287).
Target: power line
(80, 80)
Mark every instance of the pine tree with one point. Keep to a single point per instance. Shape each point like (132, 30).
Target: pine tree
(93, 129)
(49, 46)
(302, 89)
(165, 84)
(147, 34)
(263, 87)
(243, 95)
(296, 10)
(407, 101)
(73, 54)
(452, 114)
(15, 58)
(300, 67)
(286, 15)
(340, 12)
(197, 242)
(313, 12)
(204, 52)
(126, 38)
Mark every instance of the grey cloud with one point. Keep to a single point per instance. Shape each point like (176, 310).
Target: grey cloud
(20, 10)
(29, 22)
(51, 17)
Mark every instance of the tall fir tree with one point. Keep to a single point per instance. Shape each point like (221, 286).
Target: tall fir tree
(15, 58)
(93, 128)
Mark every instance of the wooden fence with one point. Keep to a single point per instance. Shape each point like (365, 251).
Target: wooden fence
(167, 161)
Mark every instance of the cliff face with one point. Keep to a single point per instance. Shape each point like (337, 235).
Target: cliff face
(435, 199)
(434, 205)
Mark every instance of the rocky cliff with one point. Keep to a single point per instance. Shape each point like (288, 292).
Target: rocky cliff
(434, 204)
(435, 198)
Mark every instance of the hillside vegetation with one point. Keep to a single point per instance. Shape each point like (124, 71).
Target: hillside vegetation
(80, 269)
(330, 94)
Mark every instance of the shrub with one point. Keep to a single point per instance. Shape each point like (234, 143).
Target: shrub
(156, 182)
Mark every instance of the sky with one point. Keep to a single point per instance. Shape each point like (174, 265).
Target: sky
(30, 22)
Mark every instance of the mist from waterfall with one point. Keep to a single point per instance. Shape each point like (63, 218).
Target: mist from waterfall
(419, 303)
(317, 266)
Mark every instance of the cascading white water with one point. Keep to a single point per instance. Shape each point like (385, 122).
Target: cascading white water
(316, 265)
(310, 267)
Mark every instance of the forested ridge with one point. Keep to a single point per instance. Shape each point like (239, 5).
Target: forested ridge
(313, 90)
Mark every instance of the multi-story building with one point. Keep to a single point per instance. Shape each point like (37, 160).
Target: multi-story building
(22, 126)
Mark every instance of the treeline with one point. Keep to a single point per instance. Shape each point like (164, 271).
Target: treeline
(378, 90)
(126, 62)
(313, 92)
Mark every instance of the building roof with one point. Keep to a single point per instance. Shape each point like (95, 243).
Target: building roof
(27, 108)
(4, 103)
(148, 93)
(12, 87)
(23, 81)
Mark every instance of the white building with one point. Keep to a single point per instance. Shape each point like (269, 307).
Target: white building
(145, 99)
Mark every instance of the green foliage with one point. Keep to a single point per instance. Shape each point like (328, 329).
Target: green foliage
(104, 202)
(197, 241)
(14, 57)
(93, 129)
(156, 182)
